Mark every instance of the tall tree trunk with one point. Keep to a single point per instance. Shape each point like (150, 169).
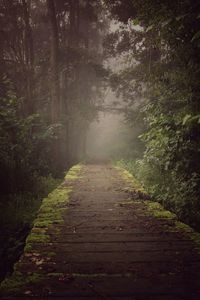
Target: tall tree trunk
(74, 23)
(29, 56)
(87, 29)
(77, 20)
(54, 86)
(74, 18)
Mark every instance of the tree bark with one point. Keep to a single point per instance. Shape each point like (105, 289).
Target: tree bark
(74, 23)
(29, 56)
(54, 82)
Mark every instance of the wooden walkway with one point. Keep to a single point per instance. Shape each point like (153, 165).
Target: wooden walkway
(105, 243)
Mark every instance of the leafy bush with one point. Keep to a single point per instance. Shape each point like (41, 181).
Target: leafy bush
(25, 145)
(17, 212)
(166, 78)
(174, 192)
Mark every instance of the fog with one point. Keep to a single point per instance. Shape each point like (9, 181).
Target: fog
(108, 134)
(102, 136)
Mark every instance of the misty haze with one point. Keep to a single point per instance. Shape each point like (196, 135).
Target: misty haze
(99, 149)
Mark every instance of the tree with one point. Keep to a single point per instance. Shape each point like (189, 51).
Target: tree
(29, 55)
(164, 74)
(54, 86)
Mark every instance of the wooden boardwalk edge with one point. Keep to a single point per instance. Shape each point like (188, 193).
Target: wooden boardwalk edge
(49, 215)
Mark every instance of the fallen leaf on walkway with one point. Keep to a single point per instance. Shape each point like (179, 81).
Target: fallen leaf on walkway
(120, 229)
(39, 262)
(90, 284)
(28, 293)
(46, 291)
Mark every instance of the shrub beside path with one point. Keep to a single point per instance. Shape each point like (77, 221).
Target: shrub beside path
(98, 236)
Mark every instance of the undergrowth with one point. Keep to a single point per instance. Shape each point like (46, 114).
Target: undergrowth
(17, 212)
(173, 192)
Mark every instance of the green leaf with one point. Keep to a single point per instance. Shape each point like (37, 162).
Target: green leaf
(135, 22)
(190, 119)
(149, 28)
(165, 23)
(180, 17)
(196, 36)
(186, 118)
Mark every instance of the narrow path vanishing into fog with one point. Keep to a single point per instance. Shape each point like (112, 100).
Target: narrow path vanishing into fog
(109, 247)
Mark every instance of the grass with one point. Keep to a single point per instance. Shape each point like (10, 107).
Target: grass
(17, 213)
(73, 172)
(130, 178)
(18, 280)
(190, 233)
(52, 209)
(49, 214)
(156, 210)
(22, 208)
(37, 238)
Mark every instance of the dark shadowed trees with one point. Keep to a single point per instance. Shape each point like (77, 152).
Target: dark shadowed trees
(161, 42)
(54, 63)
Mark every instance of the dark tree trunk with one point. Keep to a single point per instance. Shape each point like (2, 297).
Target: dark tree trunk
(74, 18)
(29, 56)
(54, 82)
(74, 23)
(86, 39)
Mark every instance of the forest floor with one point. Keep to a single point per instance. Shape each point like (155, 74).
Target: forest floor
(110, 245)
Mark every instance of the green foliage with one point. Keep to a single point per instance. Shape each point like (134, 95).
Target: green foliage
(50, 213)
(166, 78)
(18, 280)
(25, 145)
(17, 213)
